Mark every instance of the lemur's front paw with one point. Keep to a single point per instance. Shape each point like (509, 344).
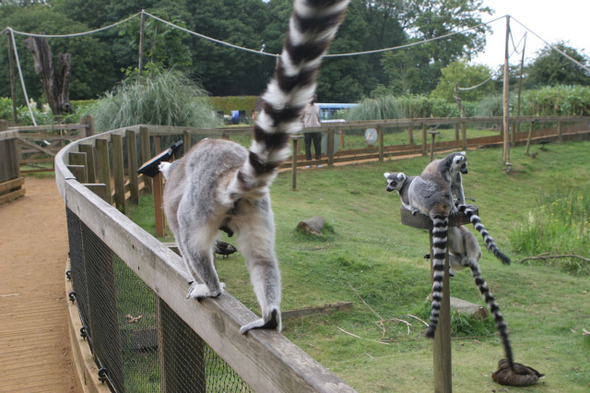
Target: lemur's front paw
(201, 291)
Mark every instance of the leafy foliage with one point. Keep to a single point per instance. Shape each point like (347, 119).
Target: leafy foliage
(552, 68)
(408, 106)
(166, 98)
(464, 76)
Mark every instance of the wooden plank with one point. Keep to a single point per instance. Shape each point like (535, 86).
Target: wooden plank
(131, 138)
(98, 188)
(118, 171)
(10, 184)
(90, 161)
(10, 196)
(52, 127)
(158, 190)
(35, 146)
(104, 166)
(146, 155)
(79, 172)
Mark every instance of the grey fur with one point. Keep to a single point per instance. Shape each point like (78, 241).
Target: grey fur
(219, 184)
(451, 167)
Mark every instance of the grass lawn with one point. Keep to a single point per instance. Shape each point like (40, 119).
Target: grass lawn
(367, 253)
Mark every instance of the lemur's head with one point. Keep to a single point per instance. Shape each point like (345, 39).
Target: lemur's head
(459, 163)
(395, 180)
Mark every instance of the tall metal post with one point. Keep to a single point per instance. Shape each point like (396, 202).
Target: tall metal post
(506, 120)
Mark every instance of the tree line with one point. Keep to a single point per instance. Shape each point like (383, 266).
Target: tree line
(100, 60)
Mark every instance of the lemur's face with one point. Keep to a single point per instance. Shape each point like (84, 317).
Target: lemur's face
(395, 180)
(459, 163)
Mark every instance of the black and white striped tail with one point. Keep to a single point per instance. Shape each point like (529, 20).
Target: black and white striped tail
(490, 244)
(439, 249)
(312, 28)
(494, 309)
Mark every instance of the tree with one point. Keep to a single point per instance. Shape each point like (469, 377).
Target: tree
(463, 75)
(426, 20)
(93, 70)
(553, 68)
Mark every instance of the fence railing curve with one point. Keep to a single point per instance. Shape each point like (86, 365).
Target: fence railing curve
(114, 259)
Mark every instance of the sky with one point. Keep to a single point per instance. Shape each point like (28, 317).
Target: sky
(553, 21)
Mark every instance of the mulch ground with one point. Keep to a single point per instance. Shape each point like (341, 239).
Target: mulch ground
(34, 341)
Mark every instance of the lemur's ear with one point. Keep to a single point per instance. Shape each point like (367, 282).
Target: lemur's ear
(401, 176)
(386, 174)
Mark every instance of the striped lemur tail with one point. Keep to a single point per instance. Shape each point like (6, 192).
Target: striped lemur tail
(490, 244)
(440, 227)
(312, 28)
(494, 309)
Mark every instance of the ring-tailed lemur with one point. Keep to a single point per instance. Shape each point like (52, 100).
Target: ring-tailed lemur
(464, 251)
(220, 184)
(451, 167)
(431, 195)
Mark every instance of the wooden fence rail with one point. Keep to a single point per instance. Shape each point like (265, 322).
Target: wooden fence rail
(266, 360)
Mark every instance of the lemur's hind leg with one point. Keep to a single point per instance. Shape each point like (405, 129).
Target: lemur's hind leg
(196, 247)
(256, 242)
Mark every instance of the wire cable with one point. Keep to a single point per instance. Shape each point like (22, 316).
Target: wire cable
(77, 34)
(553, 47)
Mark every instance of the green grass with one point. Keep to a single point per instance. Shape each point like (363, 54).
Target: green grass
(368, 249)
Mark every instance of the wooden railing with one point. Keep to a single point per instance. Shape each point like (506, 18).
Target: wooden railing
(266, 360)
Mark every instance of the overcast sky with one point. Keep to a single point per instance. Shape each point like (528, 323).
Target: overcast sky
(561, 20)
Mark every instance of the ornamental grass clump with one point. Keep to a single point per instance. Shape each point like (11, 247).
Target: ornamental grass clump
(164, 98)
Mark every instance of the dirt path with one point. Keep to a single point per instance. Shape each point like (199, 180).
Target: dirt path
(34, 342)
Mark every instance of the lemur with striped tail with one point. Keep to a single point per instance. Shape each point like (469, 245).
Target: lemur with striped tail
(220, 184)
(451, 167)
(464, 251)
(431, 195)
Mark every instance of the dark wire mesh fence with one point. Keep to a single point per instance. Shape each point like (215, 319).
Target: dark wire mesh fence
(138, 342)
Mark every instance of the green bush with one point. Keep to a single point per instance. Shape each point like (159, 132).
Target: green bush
(164, 98)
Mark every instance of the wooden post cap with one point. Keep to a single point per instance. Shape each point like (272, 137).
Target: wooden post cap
(422, 221)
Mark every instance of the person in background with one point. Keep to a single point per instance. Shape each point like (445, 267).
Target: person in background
(311, 118)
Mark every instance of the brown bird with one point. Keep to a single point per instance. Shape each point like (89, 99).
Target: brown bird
(521, 375)
(223, 248)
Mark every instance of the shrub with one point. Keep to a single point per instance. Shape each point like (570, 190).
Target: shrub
(164, 98)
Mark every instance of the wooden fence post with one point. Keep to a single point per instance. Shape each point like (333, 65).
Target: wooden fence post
(90, 161)
(88, 120)
(146, 155)
(464, 134)
(330, 146)
(187, 142)
(119, 171)
(559, 132)
(442, 360)
(424, 142)
(433, 134)
(158, 191)
(528, 141)
(131, 138)
(295, 139)
(12, 77)
(104, 167)
(381, 146)
(411, 135)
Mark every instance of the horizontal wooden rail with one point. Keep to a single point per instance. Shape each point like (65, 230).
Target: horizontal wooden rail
(265, 359)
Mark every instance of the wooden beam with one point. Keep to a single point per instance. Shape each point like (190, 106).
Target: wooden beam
(131, 138)
(10, 184)
(79, 172)
(90, 161)
(118, 171)
(104, 166)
